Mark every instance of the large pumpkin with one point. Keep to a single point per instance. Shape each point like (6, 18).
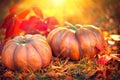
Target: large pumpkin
(29, 52)
(84, 42)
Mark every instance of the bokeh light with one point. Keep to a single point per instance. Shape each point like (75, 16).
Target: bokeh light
(97, 12)
(76, 11)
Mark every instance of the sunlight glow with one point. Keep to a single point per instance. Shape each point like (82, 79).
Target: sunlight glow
(76, 11)
(58, 2)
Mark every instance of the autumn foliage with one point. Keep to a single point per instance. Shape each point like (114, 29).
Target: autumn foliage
(102, 66)
(16, 23)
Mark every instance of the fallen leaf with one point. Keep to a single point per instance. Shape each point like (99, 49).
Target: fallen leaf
(8, 74)
(104, 59)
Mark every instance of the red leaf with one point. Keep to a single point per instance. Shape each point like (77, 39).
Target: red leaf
(7, 21)
(29, 23)
(14, 24)
(8, 25)
(38, 12)
(13, 9)
(12, 29)
(51, 22)
(23, 14)
(9, 32)
(16, 27)
(41, 26)
(34, 19)
(33, 25)
(104, 59)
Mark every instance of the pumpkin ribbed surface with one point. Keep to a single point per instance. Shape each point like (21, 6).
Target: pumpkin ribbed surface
(30, 52)
(83, 42)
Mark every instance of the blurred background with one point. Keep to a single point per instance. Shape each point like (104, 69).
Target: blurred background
(102, 13)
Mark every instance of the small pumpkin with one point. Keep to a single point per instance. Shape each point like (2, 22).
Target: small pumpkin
(86, 41)
(29, 52)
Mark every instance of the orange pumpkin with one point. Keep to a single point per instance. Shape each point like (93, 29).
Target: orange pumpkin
(29, 52)
(84, 42)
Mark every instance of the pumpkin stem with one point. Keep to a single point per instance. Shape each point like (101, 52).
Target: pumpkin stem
(24, 41)
(71, 25)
